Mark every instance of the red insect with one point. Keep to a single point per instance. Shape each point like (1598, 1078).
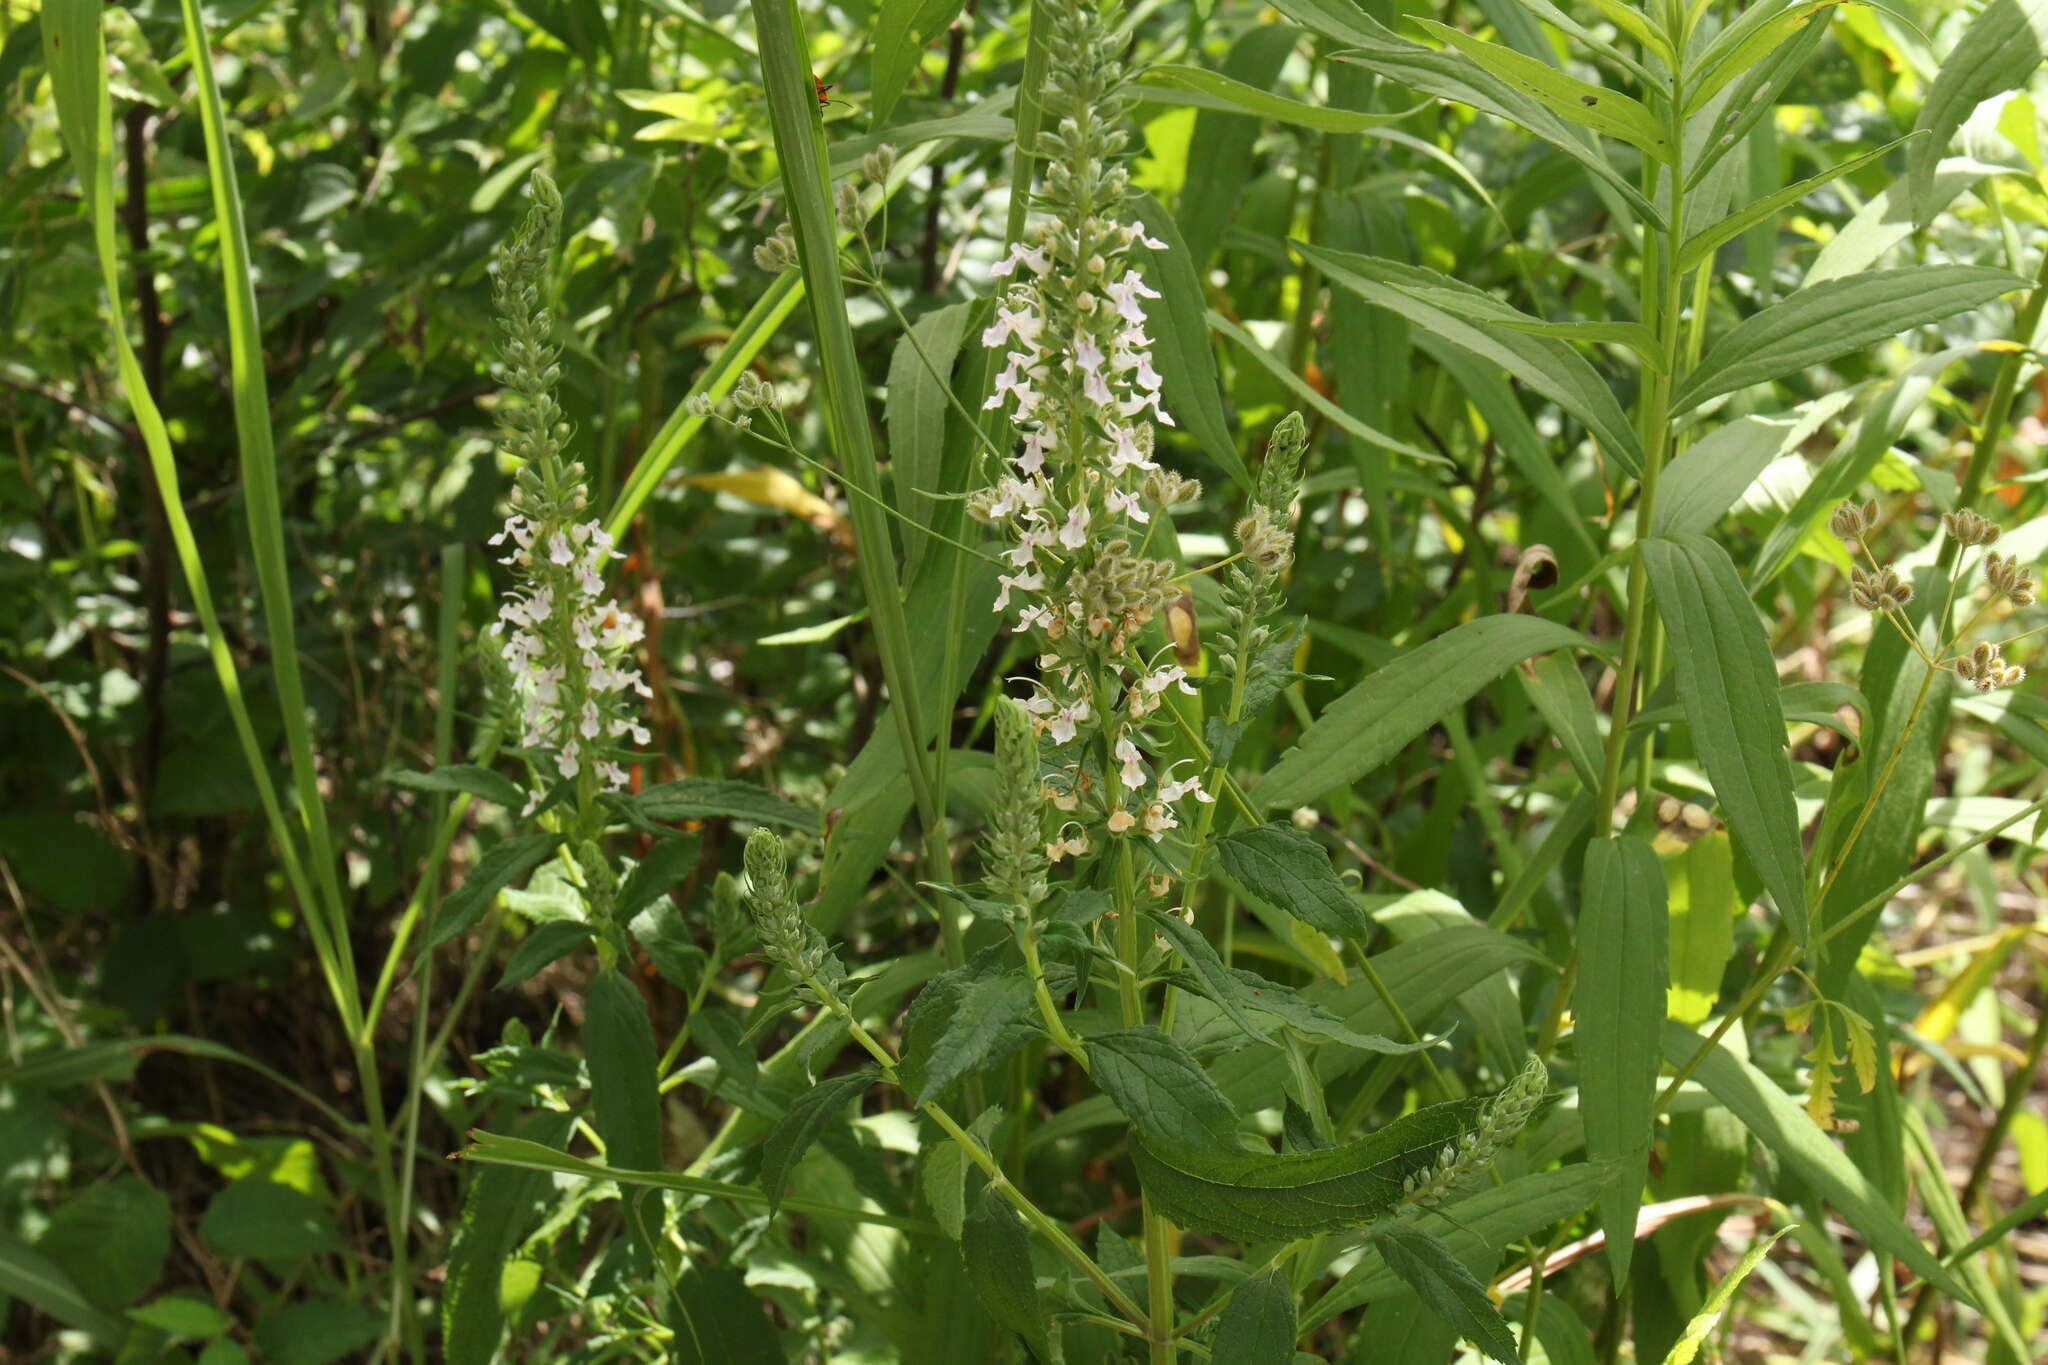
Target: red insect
(824, 92)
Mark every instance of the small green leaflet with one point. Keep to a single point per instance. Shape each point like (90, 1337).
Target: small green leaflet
(1257, 1328)
(1687, 1348)
(506, 862)
(1446, 1287)
(555, 939)
(667, 863)
(802, 1124)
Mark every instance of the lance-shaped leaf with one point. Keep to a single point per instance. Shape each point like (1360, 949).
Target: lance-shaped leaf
(803, 1123)
(1835, 316)
(482, 783)
(1201, 88)
(2000, 51)
(1608, 112)
(1618, 1009)
(1287, 869)
(997, 1251)
(1720, 124)
(625, 1098)
(1250, 1196)
(1192, 384)
(1377, 718)
(1728, 685)
(1447, 1288)
(1491, 329)
(506, 862)
(709, 798)
(1704, 242)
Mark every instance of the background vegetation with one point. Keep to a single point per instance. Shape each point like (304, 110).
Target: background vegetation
(247, 1010)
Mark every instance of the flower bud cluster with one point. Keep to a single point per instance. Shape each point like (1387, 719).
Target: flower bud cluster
(1081, 390)
(1968, 529)
(787, 938)
(1473, 1151)
(1853, 523)
(566, 646)
(1251, 592)
(2008, 580)
(1883, 590)
(1010, 848)
(778, 253)
(1986, 669)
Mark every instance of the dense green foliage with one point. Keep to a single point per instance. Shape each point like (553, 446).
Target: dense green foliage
(914, 681)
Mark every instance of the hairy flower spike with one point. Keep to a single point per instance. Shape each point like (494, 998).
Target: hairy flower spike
(1880, 591)
(1967, 529)
(1280, 475)
(787, 938)
(1498, 1125)
(2008, 579)
(1012, 849)
(565, 645)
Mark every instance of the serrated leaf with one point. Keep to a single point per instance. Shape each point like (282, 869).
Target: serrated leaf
(1377, 718)
(997, 1252)
(182, 1316)
(1162, 1090)
(1618, 1008)
(1827, 319)
(502, 864)
(1447, 1288)
(494, 1213)
(625, 1100)
(706, 798)
(267, 1221)
(803, 1123)
(555, 939)
(668, 862)
(482, 783)
(1287, 869)
(1474, 321)
(1728, 684)
(980, 1019)
(1257, 1327)
(1221, 986)
(1251, 1196)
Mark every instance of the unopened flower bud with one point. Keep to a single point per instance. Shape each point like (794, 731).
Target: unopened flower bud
(787, 939)
(1880, 591)
(1280, 475)
(1985, 668)
(1011, 846)
(751, 393)
(778, 253)
(850, 208)
(698, 405)
(1966, 528)
(1851, 522)
(1471, 1152)
(877, 164)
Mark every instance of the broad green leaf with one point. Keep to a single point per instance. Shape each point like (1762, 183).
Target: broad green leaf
(1286, 868)
(1720, 125)
(1558, 690)
(111, 1238)
(668, 862)
(803, 1123)
(1220, 984)
(719, 1321)
(1609, 112)
(1779, 1122)
(1192, 384)
(1618, 1008)
(500, 1202)
(33, 1278)
(997, 1252)
(1379, 717)
(1687, 1348)
(902, 28)
(182, 1316)
(1162, 1090)
(502, 864)
(482, 783)
(262, 1219)
(710, 798)
(1479, 1224)
(1257, 1327)
(317, 1332)
(1828, 319)
(1704, 242)
(1175, 83)
(1704, 905)
(1454, 76)
(1448, 1289)
(2000, 51)
(983, 1014)
(555, 939)
(666, 939)
(1251, 1196)
(918, 403)
(625, 1101)
(1728, 684)
(1706, 480)
(1474, 321)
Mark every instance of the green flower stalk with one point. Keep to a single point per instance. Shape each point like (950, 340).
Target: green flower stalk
(1011, 848)
(1251, 591)
(787, 938)
(1473, 1152)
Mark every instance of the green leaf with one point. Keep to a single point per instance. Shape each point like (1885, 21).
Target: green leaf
(1278, 368)
(668, 862)
(28, 1275)
(111, 1238)
(1446, 1288)
(1714, 128)
(719, 1321)
(1175, 83)
(1754, 34)
(1209, 202)
(1453, 76)
(1251, 1196)
(1704, 242)
(268, 1221)
(481, 783)
(997, 1252)
(1728, 684)
(1286, 868)
(803, 1123)
(1608, 112)
(1229, 993)
(902, 28)
(981, 1019)
(504, 863)
(1779, 1122)
(1704, 904)
(1257, 1328)
(1618, 1006)
(662, 933)
(1833, 317)
(1376, 719)
(1193, 386)
(1687, 1348)
(2000, 51)
(1558, 690)
(1702, 484)
(1476, 322)
(1162, 1090)
(915, 411)
(500, 1202)
(710, 798)
(555, 939)
(317, 1332)
(625, 1100)
(183, 1316)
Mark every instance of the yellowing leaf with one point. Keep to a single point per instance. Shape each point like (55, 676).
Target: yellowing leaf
(772, 488)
